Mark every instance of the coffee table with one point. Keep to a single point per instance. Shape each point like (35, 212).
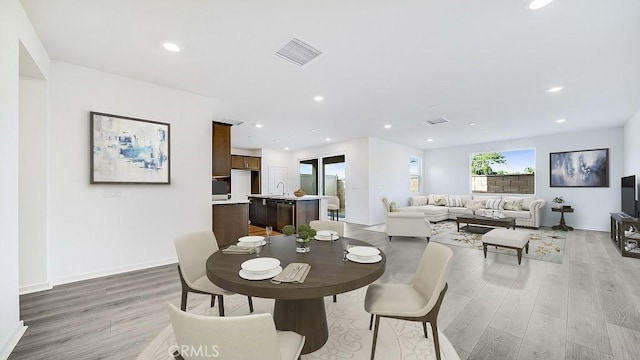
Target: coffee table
(507, 222)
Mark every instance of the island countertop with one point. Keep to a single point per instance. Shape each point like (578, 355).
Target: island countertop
(286, 197)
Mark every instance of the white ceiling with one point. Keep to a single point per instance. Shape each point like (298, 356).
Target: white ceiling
(384, 62)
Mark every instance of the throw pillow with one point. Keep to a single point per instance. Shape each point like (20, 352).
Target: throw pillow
(393, 206)
(419, 200)
(513, 204)
(454, 202)
(441, 201)
(474, 204)
(433, 199)
(497, 204)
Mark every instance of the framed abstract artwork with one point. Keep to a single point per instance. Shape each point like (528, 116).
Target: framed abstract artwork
(126, 150)
(584, 168)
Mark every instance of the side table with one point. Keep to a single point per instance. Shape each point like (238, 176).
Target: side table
(562, 225)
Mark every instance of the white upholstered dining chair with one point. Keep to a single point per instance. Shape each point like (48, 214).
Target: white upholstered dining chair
(235, 337)
(193, 250)
(333, 205)
(419, 300)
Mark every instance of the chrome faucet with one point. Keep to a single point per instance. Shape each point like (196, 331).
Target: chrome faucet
(277, 186)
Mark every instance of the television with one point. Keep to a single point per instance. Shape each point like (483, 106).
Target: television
(628, 196)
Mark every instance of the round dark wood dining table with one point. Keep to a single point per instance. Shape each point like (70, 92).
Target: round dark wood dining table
(299, 307)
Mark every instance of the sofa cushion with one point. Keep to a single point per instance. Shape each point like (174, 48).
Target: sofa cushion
(393, 206)
(433, 198)
(418, 200)
(454, 202)
(496, 204)
(460, 211)
(474, 204)
(513, 204)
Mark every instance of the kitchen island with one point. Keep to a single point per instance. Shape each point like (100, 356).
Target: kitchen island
(278, 210)
(230, 220)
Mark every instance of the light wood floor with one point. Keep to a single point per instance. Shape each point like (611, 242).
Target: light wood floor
(588, 307)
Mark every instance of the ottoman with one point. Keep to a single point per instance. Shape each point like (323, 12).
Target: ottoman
(507, 239)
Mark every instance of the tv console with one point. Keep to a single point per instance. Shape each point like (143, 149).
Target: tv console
(627, 242)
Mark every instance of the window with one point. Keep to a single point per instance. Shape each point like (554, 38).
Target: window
(414, 174)
(504, 172)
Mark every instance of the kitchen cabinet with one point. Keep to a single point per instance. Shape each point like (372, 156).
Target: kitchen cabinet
(279, 212)
(230, 222)
(220, 150)
(245, 162)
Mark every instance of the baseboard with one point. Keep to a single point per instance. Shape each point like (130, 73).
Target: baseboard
(28, 289)
(17, 335)
(97, 274)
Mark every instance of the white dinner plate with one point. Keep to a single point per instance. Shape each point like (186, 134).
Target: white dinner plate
(326, 238)
(252, 276)
(369, 260)
(364, 251)
(260, 265)
(326, 233)
(250, 239)
(264, 242)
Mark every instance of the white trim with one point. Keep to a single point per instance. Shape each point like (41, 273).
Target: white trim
(28, 289)
(123, 269)
(17, 335)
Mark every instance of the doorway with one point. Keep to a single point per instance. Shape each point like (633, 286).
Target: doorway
(309, 176)
(333, 169)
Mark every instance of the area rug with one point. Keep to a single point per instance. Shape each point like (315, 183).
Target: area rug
(349, 334)
(545, 243)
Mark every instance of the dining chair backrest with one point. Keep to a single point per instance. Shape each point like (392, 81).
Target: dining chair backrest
(432, 273)
(337, 226)
(231, 337)
(333, 200)
(193, 249)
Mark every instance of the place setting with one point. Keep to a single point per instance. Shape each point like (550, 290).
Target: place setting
(326, 235)
(260, 268)
(362, 254)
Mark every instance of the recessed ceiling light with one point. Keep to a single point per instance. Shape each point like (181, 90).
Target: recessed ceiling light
(537, 4)
(388, 126)
(327, 139)
(287, 149)
(472, 124)
(318, 98)
(429, 139)
(171, 47)
(560, 121)
(313, 130)
(554, 89)
(258, 125)
(486, 131)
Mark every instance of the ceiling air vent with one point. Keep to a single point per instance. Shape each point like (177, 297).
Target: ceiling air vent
(440, 120)
(298, 52)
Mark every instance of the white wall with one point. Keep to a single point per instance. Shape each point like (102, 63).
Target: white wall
(632, 147)
(356, 155)
(388, 175)
(14, 28)
(33, 185)
(276, 159)
(91, 235)
(447, 172)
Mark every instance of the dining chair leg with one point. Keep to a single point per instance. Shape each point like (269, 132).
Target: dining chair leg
(424, 327)
(375, 338)
(335, 298)
(183, 301)
(213, 300)
(250, 304)
(371, 322)
(220, 305)
(436, 342)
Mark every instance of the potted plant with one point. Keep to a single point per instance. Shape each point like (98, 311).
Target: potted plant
(558, 201)
(303, 235)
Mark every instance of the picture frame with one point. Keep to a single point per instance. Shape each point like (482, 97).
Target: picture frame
(582, 168)
(126, 150)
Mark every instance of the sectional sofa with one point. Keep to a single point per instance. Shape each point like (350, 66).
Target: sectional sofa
(438, 207)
